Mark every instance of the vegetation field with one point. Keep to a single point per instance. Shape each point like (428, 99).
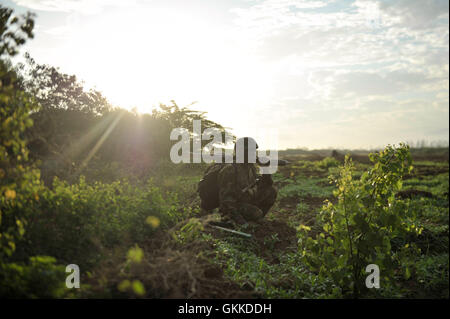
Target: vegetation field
(195, 261)
(88, 184)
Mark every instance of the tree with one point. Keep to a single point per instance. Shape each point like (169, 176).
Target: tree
(14, 31)
(18, 182)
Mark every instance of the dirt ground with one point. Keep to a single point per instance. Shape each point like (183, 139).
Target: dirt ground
(180, 271)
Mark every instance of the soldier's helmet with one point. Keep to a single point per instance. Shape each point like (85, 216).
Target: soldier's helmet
(247, 142)
(245, 150)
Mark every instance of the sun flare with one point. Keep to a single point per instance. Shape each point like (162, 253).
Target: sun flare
(161, 55)
(321, 69)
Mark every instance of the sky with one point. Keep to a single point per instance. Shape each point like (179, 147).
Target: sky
(291, 73)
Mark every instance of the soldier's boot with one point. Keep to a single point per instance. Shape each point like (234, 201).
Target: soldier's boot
(250, 212)
(204, 212)
(229, 221)
(236, 219)
(265, 198)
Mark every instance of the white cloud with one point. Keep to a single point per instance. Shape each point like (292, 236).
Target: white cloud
(415, 13)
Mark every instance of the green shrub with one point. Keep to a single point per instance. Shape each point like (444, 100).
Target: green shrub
(74, 223)
(39, 278)
(328, 162)
(358, 229)
(18, 182)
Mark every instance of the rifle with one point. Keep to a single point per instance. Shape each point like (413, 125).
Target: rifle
(232, 231)
(260, 160)
(264, 161)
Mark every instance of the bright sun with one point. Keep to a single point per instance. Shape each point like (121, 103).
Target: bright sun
(141, 59)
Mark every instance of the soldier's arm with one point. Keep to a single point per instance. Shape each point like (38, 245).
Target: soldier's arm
(228, 193)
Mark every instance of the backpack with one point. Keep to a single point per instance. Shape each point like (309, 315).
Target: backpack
(208, 188)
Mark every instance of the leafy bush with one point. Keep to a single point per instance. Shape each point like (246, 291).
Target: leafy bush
(328, 162)
(189, 232)
(358, 229)
(39, 278)
(18, 181)
(75, 222)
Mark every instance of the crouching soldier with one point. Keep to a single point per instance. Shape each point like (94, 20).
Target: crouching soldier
(240, 193)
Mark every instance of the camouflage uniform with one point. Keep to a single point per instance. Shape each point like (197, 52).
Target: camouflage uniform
(250, 205)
